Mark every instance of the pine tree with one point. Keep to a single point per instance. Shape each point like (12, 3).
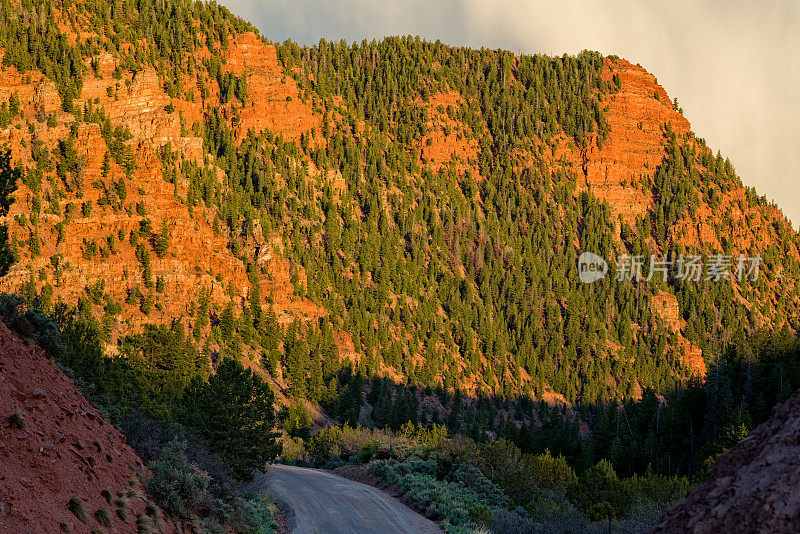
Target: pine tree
(8, 184)
(161, 239)
(234, 411)
(227, 323)
(297, 361)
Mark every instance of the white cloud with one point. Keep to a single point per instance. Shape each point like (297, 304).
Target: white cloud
(730, 63)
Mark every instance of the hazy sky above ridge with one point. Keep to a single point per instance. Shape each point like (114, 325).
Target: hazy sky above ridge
(732, 64)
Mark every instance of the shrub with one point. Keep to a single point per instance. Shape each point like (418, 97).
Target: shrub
(32, 323)
(600, 492)
(177, 485)
(659, 489)
(151, 522)
(468, 499)
(552, 513)
(122, 508)
(77, 506)
(366, 453)
(481, 515)
(294, 451)
(257, 517)
(520, 475)
(600, 511)
(150, 439)
(103, 517)
(325, 444)
(146, 525)
(473, 479)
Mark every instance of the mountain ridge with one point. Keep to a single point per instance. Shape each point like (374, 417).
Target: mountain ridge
(310, 123)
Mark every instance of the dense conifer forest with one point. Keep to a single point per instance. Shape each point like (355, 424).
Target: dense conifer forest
(457, 283)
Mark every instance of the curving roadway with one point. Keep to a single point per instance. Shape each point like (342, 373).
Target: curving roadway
(323, 503)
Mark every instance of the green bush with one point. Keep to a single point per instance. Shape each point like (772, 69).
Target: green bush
(466, 501)
(32, 323)
(599, 485)
(471, 477)
(178, 486)
(555, 513)
(325, 444)
(600, 511)
(366, 453)
(602, 495)
(257, 517)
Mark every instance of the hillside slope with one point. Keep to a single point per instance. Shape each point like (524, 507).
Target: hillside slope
(407, 207)
(752, 487)
(60, 459)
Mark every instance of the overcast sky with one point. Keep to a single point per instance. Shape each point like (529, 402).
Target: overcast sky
(732, 64)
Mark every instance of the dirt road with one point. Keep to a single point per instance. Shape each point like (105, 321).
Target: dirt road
(326, 504)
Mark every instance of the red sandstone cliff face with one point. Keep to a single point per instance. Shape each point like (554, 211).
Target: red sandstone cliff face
(633, 150)
(55, 446)
(274, 101)
(665, 305)
(198, 257)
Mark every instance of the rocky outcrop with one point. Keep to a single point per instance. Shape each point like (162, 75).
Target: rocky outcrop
(752, 487)
(665, 305)
(636, 116)
(273, 101)
(198, 257)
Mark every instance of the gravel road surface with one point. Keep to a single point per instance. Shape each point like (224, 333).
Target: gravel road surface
(327, 504)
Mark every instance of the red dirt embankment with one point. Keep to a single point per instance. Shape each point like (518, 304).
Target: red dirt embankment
(55, 447)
